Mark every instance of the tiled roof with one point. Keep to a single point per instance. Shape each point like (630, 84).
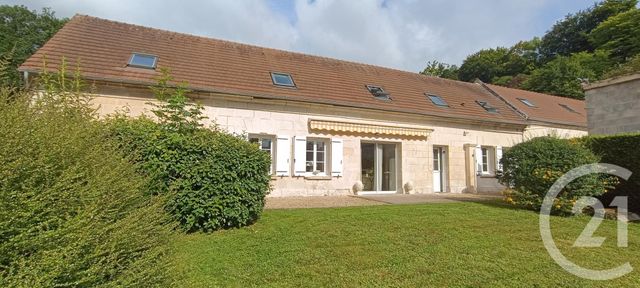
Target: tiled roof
(547, 107)
(103, 48)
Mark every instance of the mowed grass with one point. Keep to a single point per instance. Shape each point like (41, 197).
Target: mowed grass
(431, 245)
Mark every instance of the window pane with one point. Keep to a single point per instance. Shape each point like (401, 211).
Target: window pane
(309, 145)
(320, 156)
(309, 167)
(320, 146)
(266, 144)
(141, 60)
(310, 156)
(282, 79)
(437, 100)
(254, 140)
(320, 166)
(436, 163)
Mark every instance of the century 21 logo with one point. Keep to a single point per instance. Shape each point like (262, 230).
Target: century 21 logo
(586, 238)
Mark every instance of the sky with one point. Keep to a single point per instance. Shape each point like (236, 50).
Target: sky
(401, 34)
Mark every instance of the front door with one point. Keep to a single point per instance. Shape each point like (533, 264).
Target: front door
(439, 169)
(379, 166)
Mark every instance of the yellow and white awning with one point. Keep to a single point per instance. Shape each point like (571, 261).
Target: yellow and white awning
(349, 127)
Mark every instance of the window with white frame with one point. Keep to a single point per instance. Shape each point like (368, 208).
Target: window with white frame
(488, 160)
(316, 157)
(266, 144)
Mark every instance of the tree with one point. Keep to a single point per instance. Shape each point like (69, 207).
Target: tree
(484, 65)
(22, 32)
(571, 34)
(174, 111)
(563, 75)
(441, 70)
(619, 35)
(497, 64)
(630, 67)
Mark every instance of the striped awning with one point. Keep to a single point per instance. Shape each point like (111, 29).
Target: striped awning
(362, 128)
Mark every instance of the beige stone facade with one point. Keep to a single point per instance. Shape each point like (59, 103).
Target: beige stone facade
(613, 105)
(462, 142)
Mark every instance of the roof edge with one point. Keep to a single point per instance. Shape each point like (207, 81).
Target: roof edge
(611, 81)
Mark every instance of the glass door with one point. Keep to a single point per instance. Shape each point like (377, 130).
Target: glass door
(379, 167)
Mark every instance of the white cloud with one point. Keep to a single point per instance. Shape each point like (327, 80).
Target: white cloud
(400, 34)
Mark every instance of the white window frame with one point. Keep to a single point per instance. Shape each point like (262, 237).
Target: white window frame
(488, 159)
(315, 161)
(272, 150)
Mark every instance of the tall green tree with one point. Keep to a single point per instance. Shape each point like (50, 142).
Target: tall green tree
(619, 35)
(22, 32)
(570, 35)
(563, 75)
(484, 65)
(441, 70)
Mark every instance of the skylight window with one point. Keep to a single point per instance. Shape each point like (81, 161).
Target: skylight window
(282, 79)
(487, 107)
(143, 61)
(437, 100)
(378, 92)
(568, 108)
(527, 102)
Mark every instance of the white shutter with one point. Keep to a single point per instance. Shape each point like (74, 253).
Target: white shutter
(336, 157)
(498, 157)
(300, 155)
(478, 160)
(283, 154)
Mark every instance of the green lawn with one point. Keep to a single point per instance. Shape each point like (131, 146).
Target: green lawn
(433, 245)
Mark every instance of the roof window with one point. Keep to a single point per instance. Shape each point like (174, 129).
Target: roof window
(566, 107)
(378, 92)
(527, 102)
(282, 79)
(437, 100)
(487, 106)
(140, 60)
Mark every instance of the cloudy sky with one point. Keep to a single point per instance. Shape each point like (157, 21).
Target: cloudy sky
(402, 34)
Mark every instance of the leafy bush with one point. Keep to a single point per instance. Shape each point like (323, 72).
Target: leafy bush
(530, 169)
(621, 150)
(72, 209)
(216, 180)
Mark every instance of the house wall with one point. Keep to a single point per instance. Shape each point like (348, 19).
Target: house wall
(533, 131)
(613, 106)
(276, 117)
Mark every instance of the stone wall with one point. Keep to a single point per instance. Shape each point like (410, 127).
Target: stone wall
(613, 105)
(278, 117)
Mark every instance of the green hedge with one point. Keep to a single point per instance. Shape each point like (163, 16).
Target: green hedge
(622, 150)
(72, 209)
(530, 168)
(216, 180)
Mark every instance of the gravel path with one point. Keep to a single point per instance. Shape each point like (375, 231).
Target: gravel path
(368, 200)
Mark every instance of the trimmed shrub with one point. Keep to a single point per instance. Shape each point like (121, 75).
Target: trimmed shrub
(621, 150)
(216, 180)
(72, 209)
(530, 169)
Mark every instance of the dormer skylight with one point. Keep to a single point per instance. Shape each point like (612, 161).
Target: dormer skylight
(437, 100)
(566, 107)
(378, 92)
(141, 60)
(487, 106)
(282, 79)
(527, 102)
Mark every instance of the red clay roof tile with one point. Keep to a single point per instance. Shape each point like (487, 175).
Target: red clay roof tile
(103, 47)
